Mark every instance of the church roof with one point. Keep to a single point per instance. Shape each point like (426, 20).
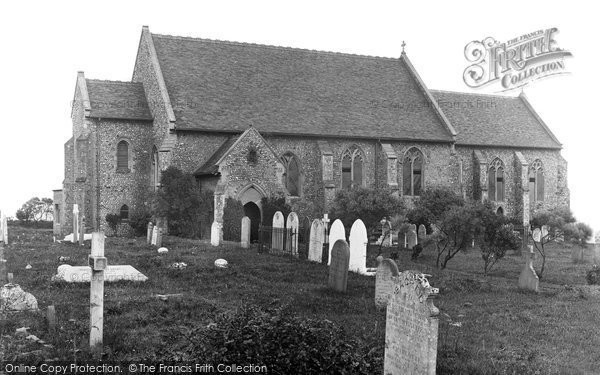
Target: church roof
(117, 100)
(494, 120)
(210, 166)
(228, 86)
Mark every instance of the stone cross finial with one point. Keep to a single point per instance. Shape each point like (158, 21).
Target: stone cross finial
(403, 45)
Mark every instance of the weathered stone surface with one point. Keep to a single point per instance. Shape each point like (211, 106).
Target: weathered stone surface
(159, 237)
(422, 231)
(292, 240)
(338, 269)
(317, 236)
(544, 230)
(337, 232)
(154, 238)
(537, 235)
(216, 233)
(221, 263)
(149, 233)
(277, 235)
(411, 238)
(528, 279)
(83, 274)
(13, 298)
(411, 328)
(384, 284)
(358, 247)
(245, 236)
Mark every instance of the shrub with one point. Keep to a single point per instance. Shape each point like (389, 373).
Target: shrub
(369, 205)
(272, 204)
(285, 343)
(593, 275)
(138, 221)
(434, 202)
(113, 221)
(181, 201)
(233, 212)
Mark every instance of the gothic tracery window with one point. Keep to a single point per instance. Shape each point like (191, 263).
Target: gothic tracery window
(536, 181)
(293, 176)
(412, 173)
(352, 168)
(496, 181)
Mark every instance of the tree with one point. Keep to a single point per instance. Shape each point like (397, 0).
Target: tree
(35, 210)
(432, 204)
(453, 232)
(181, 201)
(560, 224)
(233, 212)
(272, 204)
(495, 235)
(369, 205)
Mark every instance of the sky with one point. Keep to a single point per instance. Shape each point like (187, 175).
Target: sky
(45, 43)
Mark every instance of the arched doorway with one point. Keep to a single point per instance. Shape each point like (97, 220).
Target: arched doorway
(253, 212)
(500, 211)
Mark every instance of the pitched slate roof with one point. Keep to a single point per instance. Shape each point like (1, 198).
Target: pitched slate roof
(210, 166)
(494, 120)
(118, 100)
(227, 86)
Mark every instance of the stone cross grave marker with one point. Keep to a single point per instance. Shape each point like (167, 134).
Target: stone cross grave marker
(315, 246)
(338, 269)
(358, 247)
(149, 233)
(216, 233)
(412, 236)
(337, 232)
(98, 264)
(277, 235)
(245, 236)
(411, 327)
(75, 223)
(292, 226)
(528, 279)
(422, 232)
(537, 235)
(384, 284)
(154, 235)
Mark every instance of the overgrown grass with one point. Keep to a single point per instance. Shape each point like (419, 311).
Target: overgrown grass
(502, 329)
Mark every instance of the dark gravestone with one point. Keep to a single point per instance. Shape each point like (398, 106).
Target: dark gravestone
(384, 284)
(338, 268)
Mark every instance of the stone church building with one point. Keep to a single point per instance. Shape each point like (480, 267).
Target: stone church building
(254, 120)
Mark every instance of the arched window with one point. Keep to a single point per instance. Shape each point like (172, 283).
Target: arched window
(412, 172)
(124, 212)
(293, 175)
(123, 156)
(155, 169)
(496, 181)
(352, 168)
(536, 181)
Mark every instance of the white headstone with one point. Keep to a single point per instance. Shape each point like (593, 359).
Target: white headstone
(216, 233)
(358, 247)
(75, 222)
(422, 231)
(277, 234)
(337, 232)
(317, 236)
(537, 235)
(154, 235)
(245, 238)
(544, 231)
(292, 226)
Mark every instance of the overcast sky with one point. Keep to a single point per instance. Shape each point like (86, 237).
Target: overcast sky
(44, 44)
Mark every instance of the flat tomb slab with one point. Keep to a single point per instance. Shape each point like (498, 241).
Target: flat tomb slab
(83, 274)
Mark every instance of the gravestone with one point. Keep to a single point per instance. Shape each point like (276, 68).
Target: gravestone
(544, 231)
(422, 232)
(537, 235)
(528, 279)
(292, 240)
(384, 284)
(277, 234)
(337, 232)
(411, 238)
(5, 229)
(338, 269)
(358, 247)
(149, 233)
(154, 235)
(75, 223)
(13, 298)
(411, 328)
(159, 237)
(216, 233)
(97, 264)
(245, 237)
(317, 236)
(81, 229)
(83, 274)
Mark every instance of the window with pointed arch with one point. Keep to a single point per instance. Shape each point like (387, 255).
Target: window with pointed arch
(496, 181)
(123, 156)
(536, 181)
(293, 175)
(352, 168)
(412, 172)
(124, 212)
(155, 169)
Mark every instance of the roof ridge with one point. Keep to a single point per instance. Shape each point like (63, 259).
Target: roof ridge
(113, 81)
(236, 43)
(475, 94)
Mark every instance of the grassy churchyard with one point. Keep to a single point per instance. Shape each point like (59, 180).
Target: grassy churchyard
(486, 324)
